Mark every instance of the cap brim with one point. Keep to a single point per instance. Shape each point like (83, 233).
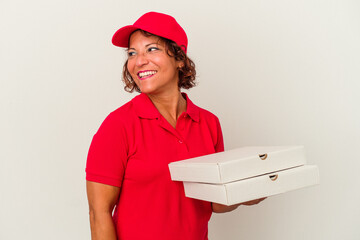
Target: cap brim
(121, 36)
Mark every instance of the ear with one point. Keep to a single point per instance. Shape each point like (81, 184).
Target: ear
(180, 65)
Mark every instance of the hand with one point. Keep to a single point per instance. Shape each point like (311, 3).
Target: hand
(220, 208)
(253, 202)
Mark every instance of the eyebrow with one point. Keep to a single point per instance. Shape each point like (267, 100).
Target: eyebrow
(145, 46)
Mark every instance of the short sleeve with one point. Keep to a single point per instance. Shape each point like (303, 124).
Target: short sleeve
(219, 146)
(107, 156)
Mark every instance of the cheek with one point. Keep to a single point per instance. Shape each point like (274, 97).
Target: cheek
(130, 68)
(130, 64)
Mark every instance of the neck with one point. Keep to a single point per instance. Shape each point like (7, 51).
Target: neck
(169, 105)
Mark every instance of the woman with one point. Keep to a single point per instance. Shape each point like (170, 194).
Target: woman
(127, 165)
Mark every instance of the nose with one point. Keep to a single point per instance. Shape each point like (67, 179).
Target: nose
(141, 60)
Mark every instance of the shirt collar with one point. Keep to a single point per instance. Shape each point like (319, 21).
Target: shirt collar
(191, 109)
(144, 107)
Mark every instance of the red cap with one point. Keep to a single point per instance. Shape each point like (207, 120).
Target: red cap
(156, 23)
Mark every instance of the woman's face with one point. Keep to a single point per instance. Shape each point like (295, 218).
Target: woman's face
(152, 69)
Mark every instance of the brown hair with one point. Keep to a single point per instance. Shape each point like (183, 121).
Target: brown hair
(187, 73)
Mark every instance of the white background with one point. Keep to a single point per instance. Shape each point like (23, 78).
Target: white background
(275, 72)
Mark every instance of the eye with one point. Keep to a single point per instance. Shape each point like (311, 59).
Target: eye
(151, 49)
(131, 53)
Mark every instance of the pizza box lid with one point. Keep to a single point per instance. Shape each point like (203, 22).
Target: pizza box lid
(237, 164)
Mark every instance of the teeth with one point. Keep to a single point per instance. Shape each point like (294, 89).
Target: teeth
(147, 73)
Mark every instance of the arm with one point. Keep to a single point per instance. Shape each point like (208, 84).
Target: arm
(219, 208)
(102, 199)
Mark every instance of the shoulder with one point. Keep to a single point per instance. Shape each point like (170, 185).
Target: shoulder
(199, 113)
(206, 114)
(209, 119)
(123, 112)
(120, 117)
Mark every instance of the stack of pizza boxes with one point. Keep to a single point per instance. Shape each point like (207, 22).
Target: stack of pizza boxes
(245, 174)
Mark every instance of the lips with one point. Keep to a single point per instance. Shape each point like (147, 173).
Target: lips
(146, 74)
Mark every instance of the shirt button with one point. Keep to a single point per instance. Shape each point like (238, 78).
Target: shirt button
(180, 141)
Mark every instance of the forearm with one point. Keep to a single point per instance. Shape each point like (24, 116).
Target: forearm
(102, 226)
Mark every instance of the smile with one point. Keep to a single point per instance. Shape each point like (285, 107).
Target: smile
(146, 74)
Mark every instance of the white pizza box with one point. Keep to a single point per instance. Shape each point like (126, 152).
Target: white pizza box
(237, 164)
(256, 187)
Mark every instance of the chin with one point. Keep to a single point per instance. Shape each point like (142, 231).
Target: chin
(146, 90)
(149, 89)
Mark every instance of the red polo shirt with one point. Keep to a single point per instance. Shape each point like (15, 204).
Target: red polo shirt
(132, 150)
